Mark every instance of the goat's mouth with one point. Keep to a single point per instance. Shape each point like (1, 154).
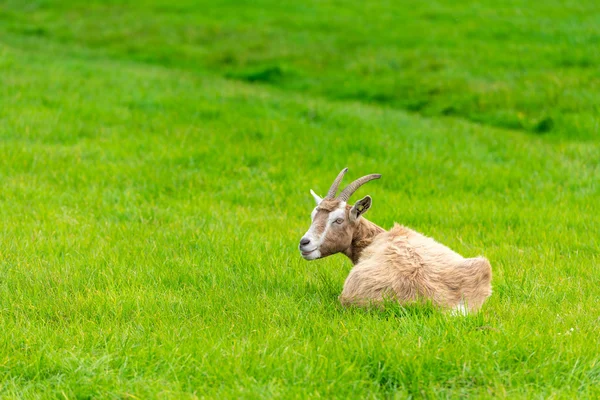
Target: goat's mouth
(310, 255)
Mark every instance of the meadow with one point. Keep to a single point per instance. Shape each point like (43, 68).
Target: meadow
(156, 159)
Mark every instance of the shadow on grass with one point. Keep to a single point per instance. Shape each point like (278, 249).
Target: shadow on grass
(424, 312)
(392, 309)
(266, 74)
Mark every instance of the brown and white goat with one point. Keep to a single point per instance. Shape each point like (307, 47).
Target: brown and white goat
(398, 264)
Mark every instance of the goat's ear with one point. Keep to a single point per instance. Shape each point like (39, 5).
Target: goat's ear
(318, 199)
(360, 208)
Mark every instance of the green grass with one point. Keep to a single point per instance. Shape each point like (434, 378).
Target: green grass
(155, 167)
(521, 65)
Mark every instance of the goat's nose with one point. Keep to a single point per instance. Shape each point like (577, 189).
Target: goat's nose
(304, 241)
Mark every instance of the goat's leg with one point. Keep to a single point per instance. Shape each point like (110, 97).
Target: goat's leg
(362, 289)
(476, 283)
(373, 284)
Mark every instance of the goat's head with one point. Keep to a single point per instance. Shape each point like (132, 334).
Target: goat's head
(333, 220)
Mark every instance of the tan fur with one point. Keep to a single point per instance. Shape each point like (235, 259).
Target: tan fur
(406, 266)
(399, 264)
(362, 238)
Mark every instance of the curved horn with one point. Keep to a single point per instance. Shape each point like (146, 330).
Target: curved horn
(351, 188)
(334, 186)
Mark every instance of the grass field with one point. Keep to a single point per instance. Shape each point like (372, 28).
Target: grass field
(156, 160)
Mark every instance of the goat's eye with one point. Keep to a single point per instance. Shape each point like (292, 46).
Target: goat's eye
(339, 220)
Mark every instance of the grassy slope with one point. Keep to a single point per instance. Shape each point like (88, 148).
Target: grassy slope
(522, 65)
(150, 218)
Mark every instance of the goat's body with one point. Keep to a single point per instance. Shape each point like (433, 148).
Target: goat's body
(399, 264)
(406, 266)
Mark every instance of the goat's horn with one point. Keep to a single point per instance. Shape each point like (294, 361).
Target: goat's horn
(351, 188)
(334, 186)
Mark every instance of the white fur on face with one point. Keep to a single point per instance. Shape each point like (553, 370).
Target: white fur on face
(316, 240)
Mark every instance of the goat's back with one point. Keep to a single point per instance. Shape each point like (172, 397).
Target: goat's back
(409, 266)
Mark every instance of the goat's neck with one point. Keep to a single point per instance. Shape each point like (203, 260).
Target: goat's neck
(363, 237)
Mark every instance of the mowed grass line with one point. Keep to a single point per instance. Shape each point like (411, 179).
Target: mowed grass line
(520, 65)
(150, 221)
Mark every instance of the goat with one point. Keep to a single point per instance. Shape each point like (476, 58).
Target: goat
(399, 264)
